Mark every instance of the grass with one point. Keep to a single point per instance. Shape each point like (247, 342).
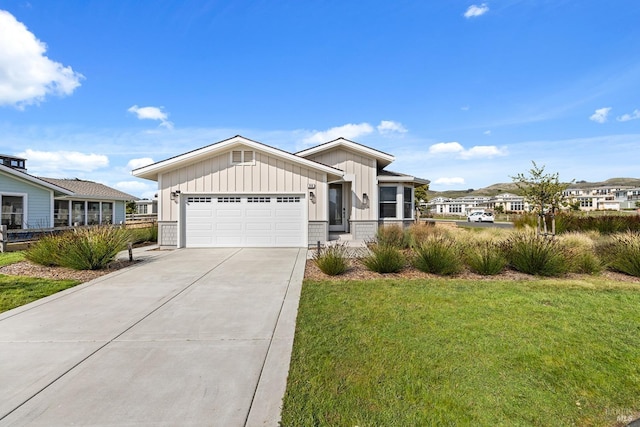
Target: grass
(7, 258)
(458, 352)
(16, 291)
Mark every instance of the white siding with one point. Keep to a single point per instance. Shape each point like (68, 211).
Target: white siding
(364, 169)
(217, 175)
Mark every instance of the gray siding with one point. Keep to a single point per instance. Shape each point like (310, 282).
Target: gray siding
(39, 200)
(318, 231)
(364, 230)
(167, 233)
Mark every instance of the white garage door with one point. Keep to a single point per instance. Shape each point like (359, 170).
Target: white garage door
(245, 221)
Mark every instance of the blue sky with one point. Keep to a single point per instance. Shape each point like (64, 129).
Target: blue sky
(463, 93)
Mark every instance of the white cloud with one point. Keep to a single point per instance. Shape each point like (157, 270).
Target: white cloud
(388, 126)
(478, 151)
(57, 163)
(138, 163)
(27, 76)
(483, 151)
(446, 148)
(600, 115)
(487, 132)
(626, 117)
(449, 181)
(152, 113)
(475, 10)
(348, 131)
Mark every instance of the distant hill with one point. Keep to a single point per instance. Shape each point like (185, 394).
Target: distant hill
(510, 187)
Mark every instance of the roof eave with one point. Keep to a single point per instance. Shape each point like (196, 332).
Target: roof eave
(35, 180)
(151, 171)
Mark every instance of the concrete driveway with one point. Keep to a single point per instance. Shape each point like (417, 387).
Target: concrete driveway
(191, 337)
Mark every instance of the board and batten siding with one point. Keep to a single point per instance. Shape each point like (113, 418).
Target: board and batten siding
(364, 170)
(39, 200)
(269, 174)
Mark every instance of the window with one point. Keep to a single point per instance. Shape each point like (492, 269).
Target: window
(517, 206)
(107, 213)
(408, 203)
(93, 213)
(242, 157)
(60, 213)
(288, 200)
(259, 199)
(77, 212)
(142, 209)
(388, 202)
(12, 211)
(228, 199)
(199, 199)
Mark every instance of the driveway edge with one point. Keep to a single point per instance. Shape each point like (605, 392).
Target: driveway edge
(267, 402)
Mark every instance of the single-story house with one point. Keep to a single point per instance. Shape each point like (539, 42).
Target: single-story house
(242, 193)
(30, 202)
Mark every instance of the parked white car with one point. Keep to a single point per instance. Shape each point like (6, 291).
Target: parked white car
(480, 217)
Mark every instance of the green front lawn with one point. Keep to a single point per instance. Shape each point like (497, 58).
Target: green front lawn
(462, 352)
(16, 291)
(7, 258)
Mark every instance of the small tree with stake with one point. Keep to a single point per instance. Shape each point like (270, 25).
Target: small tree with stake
(544, 193)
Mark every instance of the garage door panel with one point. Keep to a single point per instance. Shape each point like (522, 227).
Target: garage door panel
(252, 221)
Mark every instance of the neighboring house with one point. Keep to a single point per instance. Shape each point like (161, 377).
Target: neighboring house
(461, 206)
(32, 202)
(509, 202)
(147, 207)
(242, 193)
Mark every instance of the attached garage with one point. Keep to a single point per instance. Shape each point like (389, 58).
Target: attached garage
(245, 220)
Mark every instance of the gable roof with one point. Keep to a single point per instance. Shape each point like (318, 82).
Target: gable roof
(89, 189)
(57, 190)
(383, 158)
(151, 171)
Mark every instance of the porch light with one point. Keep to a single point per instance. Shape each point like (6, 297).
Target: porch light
(312, 197)
(365, 199)
(174, 194)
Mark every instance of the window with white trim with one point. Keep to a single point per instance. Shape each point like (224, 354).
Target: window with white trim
(13, 211)
(408, 203)
(388, 202)
(259, 199)
(242, 157)
(198, 199)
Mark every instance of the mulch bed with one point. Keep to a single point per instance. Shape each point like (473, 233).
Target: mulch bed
(357, 271)
(29, 269)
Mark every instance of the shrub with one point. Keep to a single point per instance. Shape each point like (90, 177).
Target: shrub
(83, 249)
(146, 234)
(437, 255)
(384, 259)
(485, 258)
(332, 260)
(580, 252)
(46, 251)
(418, 233)
(622, 253)
(391, 235)
(532, 254)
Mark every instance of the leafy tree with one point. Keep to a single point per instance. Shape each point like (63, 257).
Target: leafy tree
(544, 193)
(499, 209)
(131, 207)
(421, 197)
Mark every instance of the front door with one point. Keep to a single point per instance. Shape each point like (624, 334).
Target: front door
(337, 211)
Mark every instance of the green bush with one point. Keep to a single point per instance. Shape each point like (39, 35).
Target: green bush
(622, 253)
(485, 258)
(384, 259)
(438, 255)
(580, 252)
(392, 235)
(146, 234)
(536, 255)
(332, 260)
(46, 251)
(83, 249)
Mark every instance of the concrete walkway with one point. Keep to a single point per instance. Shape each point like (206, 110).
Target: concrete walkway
(191, 337)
